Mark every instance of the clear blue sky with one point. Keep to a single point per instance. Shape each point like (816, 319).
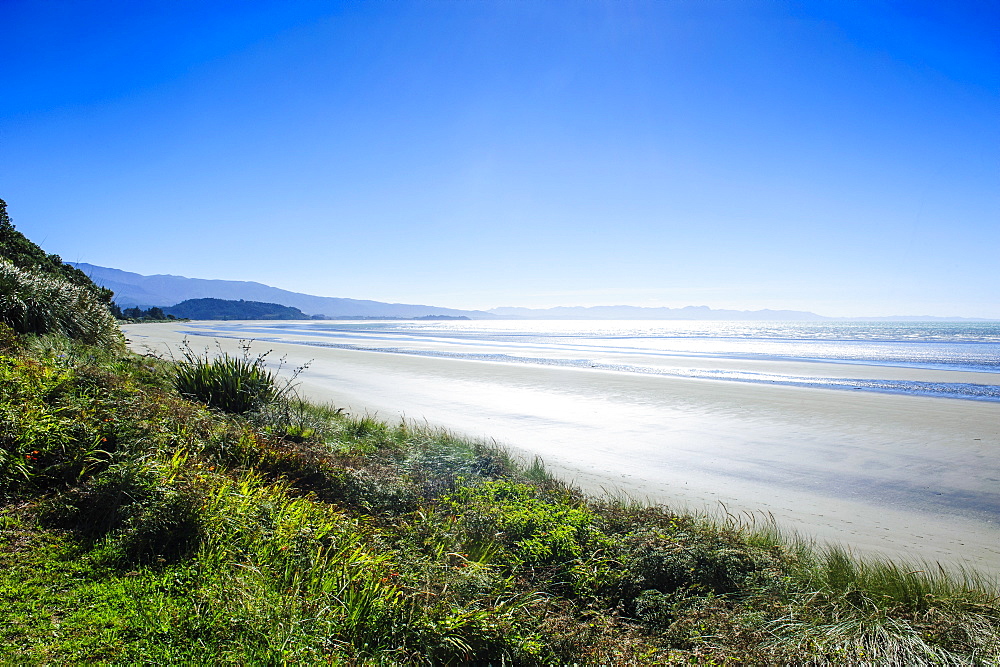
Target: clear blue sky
(839, 157)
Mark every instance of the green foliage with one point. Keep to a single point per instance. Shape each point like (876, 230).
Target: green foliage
(10, 341)
(367, 434)
(879, 583)
(234, 384)
(138, 527)
(38, 303)
(535, 528)
(309, 555)
(136, 314)
(669, 561)
(47, 437)
(40, 294)
(130, 509)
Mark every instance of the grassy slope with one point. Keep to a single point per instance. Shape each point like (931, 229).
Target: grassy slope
(139, 527)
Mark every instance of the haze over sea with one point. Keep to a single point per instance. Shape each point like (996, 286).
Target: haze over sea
(653, 347)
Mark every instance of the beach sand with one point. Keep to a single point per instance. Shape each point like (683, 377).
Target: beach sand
(905, 476)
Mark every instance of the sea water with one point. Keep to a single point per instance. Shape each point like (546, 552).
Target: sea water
(656, 347)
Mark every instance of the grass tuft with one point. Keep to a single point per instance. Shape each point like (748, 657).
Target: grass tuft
(233, 384)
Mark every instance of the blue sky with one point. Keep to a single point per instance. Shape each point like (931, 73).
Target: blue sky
(839, 157)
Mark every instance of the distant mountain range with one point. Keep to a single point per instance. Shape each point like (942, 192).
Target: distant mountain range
(133, 289)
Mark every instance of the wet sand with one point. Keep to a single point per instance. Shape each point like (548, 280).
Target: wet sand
(900, 475)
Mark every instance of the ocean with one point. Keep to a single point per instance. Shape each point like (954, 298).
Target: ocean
(822, 351)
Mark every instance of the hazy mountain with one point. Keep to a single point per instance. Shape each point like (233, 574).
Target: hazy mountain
(640, 313)
(133, 289)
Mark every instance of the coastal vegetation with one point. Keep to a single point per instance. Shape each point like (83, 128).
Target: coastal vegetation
(142, 526)
(37, 302)
(199, 511)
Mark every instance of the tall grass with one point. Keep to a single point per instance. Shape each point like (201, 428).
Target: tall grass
(841, 608)
(38, 303)
(295, 562)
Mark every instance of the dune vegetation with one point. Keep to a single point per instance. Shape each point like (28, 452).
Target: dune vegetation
(198, 511)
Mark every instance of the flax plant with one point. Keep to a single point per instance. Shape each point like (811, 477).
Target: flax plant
(234, 384)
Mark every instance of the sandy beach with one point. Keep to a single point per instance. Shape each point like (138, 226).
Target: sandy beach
(901, 475)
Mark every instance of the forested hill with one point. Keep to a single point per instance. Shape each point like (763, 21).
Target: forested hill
(223, 309)
(16, 248)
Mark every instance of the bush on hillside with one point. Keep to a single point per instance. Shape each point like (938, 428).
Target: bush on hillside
(9, 340)
(34, 302)
(16, 248)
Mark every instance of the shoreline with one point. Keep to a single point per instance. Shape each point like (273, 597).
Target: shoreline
(908, 476)
(792, 371)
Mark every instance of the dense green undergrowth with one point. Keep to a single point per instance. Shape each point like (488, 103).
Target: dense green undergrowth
(138, 526)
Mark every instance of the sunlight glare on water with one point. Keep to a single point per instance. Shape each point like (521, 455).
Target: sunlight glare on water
(821, 349)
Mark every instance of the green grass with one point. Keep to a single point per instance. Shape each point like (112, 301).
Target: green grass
(139, 527)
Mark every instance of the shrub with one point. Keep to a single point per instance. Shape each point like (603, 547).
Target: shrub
(9, 340)
(671, 562)
(536, 529)
(234, 384)
(142, 518)
(37, 303)
(49, 435)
